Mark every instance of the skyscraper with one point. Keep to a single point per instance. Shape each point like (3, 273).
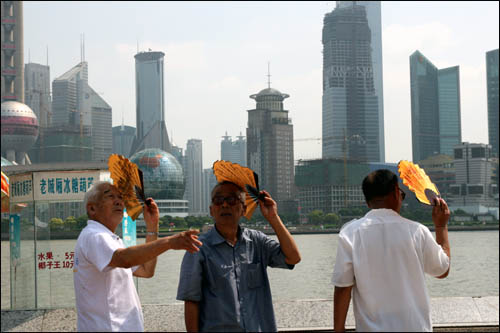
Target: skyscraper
(194, 176)
(37, 91)
(234, 151)
(123, 136)
(374, 16)
(102, 136)
(450, 124)
(270, 146)
(435, 108)
(12, 59)
(352, 119)
(492, 88)
(150, 102)
(77, 108)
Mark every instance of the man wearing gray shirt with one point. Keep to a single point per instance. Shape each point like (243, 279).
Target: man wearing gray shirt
(225, 286)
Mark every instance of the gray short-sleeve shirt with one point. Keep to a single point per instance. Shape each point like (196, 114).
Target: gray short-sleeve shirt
(231, 283)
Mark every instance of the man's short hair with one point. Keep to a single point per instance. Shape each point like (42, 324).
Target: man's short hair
(379, 183)
(93, 195)
(242, 191)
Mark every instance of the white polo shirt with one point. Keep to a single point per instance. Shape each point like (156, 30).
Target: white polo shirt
(106, 298)
(385, 257)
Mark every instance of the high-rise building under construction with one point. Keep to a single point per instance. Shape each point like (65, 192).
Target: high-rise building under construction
(353, 118)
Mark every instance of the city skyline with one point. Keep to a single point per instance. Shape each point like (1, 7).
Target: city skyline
(213, 65)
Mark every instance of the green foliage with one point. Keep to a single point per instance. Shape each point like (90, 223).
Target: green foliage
(81, 222)
(70, 223)
(56, 224)
(315, 217)
(460, 212)
(331, 219)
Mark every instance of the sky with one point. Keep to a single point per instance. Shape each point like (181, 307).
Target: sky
(217, 55)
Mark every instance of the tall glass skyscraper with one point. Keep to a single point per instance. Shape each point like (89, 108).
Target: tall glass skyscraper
(450, 125)
(374, 17)
(492, 88)
(352, 121)
(150, 102)
(435, 108)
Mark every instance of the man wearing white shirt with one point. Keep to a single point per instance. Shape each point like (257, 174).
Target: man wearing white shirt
(382, 258)
(106, 298)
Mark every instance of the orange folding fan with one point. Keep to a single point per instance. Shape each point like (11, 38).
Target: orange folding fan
(127, 177)
(418, 182)
(242, 176)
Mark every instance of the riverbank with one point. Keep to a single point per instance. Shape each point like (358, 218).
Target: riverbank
(447, 313)
(268, 231)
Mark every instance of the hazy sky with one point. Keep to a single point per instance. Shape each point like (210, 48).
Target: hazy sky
(216, 56)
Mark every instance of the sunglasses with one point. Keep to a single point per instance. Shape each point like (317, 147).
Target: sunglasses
(231, 200)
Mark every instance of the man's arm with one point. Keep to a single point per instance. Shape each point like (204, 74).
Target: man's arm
(269, 210)
(341, 300)
(140, 254)
(151, 217)
(440, 217)
(191, 315)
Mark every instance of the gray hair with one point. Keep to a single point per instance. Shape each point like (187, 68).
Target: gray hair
(242, 193)
(94, 192)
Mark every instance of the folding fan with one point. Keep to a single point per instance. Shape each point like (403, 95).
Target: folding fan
(418, 182)
(242, 176)
(127, 177)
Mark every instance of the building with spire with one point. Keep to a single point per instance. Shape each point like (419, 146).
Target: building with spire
(37, 92)
(81, 122)
(270, 147)
(352, 114)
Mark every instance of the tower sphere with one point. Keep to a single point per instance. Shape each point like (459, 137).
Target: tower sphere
(19, 127)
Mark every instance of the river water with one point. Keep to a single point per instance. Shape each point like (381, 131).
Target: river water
(474, 271)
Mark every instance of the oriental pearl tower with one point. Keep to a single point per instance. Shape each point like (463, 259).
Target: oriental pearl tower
(19, 131)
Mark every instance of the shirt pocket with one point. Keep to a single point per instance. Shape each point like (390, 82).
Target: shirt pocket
(217, 275)
(255, 277)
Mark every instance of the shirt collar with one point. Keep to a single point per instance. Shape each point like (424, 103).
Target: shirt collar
(215, 238)
(380, 212)
(102, 228)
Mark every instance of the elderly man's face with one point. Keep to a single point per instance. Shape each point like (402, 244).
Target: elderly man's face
(227, 206)
(109, 209)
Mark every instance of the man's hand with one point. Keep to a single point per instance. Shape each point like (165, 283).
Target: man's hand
(440, 213)
(268, 206)
(186, 240)
(151, 215)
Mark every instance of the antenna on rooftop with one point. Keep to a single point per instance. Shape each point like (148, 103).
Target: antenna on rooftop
(83, 47)
(137, 45)
(47, 55)
(81, 53)
(29, 56)
(268, 75)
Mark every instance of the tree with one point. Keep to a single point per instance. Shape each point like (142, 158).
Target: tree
(331, 218)
(56, 224)
(315, 217)
(70, 223)
(81, 222)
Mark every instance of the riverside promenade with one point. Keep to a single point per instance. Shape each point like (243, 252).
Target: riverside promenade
(449, 314)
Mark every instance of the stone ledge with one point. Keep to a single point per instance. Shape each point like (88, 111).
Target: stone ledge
(448, 314)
